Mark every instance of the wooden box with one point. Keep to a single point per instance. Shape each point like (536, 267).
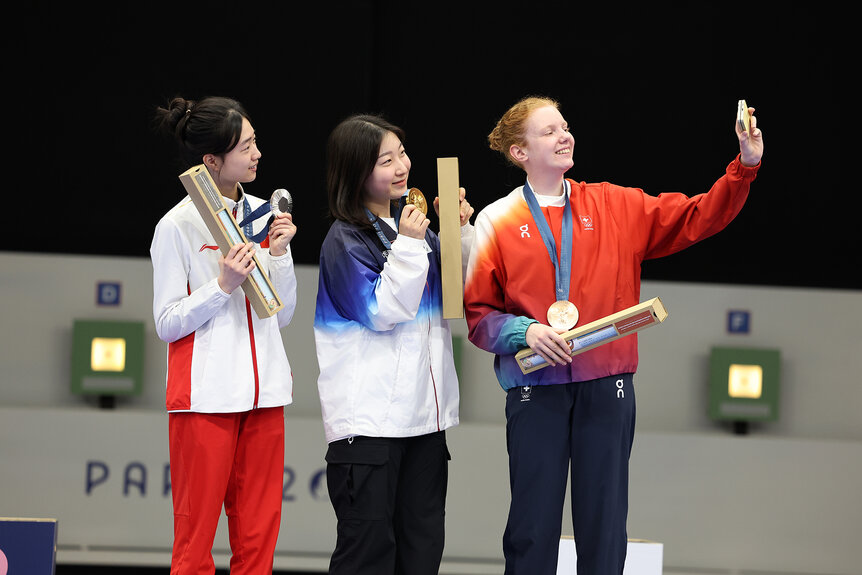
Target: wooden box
(222, 225)
(601, 331)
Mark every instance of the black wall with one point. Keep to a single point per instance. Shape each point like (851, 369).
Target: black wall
(650, 93)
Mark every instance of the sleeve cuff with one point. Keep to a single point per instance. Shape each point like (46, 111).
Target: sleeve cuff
(516, 332)
(740, 169)
(412, 244)
(285, 256)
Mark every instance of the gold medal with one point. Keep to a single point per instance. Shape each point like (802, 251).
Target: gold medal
(415, 197)
(562, 315)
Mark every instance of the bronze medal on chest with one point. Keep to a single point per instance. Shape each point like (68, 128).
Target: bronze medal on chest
(562, 315)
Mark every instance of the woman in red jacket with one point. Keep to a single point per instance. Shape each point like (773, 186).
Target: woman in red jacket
(549, 255)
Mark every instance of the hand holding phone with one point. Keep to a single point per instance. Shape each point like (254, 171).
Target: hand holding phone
(743, 116)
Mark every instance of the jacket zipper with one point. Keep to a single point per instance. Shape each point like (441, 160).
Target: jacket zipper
(431, 369)
(251, 339)
(253, 353)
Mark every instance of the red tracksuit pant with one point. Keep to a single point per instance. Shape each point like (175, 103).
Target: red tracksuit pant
(235, 460)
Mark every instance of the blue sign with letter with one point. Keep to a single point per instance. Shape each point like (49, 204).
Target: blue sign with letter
(738, 321)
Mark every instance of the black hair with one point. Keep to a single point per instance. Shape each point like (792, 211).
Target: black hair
(212, 125)
(351, 153)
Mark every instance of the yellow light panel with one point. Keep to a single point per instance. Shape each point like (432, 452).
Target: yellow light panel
(745, 381)
(108, 354)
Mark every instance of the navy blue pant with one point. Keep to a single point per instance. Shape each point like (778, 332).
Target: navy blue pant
(389, 495)
(588, 428)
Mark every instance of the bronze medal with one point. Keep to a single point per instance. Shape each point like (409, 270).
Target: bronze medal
(562, 315)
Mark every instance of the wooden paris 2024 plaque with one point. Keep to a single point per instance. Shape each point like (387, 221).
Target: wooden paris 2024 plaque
(450, 237)
(607, 329)
(208, 200)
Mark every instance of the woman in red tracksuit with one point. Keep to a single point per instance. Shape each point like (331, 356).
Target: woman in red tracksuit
(228, 376)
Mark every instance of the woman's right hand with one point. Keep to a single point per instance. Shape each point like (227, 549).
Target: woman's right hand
(413, 222)
(547, 342)
(235, 266)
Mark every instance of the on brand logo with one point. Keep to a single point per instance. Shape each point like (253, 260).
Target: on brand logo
(620, 393)
(525, 233)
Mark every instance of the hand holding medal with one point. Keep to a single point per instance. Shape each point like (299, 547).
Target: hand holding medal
(413, 222)
(281, 226)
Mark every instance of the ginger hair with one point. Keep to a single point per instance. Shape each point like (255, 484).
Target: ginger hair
(511, 128)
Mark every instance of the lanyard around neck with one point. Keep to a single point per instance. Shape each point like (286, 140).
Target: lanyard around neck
(375, 221)
(563, 265)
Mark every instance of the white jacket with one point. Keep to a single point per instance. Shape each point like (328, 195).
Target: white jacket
(383, 347)
(221, 356)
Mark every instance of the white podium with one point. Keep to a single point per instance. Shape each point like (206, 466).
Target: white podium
(642, 557)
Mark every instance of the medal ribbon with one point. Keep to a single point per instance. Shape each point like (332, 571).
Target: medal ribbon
(376, 223)
(563, 266)
(249, 216)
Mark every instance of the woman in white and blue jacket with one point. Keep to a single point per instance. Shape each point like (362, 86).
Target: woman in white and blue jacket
(388, 387)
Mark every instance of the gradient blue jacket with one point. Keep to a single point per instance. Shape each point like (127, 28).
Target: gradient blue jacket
(383, 347)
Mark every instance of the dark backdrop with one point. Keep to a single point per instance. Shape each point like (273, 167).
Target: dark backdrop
(650, 91)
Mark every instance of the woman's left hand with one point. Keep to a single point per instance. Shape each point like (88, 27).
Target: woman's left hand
(750, 142)
(464, 207)
(281, 231)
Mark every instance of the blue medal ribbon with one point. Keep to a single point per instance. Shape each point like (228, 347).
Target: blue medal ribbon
(375, 221)
(249, 216)
(563, 266)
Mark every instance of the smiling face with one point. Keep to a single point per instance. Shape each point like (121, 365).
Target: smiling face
(238, 165)
(388, 179)
(548, 145)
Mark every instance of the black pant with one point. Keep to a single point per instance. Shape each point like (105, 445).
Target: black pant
(586, 428)
(389, 495)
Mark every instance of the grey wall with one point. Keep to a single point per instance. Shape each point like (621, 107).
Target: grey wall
(816, 330)
(806, 464)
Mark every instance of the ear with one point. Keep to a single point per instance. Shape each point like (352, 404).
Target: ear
(211, 161)
(518, 153)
